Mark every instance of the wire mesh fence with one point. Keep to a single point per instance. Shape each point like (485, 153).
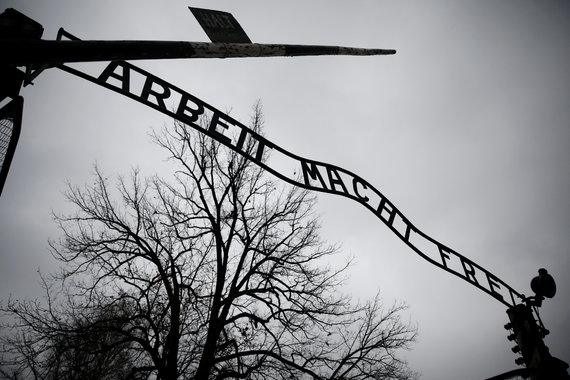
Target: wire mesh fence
(10, 124)
(6, 129)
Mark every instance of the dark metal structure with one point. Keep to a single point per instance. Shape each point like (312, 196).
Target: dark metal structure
(30, 52)
(535, 356)
(21, 46)
(10, 125)
(220, 26)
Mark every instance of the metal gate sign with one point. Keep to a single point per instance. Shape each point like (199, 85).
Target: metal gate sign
(142, 86)
(229, 40)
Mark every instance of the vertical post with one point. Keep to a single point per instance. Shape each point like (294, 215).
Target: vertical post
(534, 353)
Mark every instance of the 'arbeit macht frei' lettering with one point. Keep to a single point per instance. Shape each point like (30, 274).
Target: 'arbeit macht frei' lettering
(154, 92)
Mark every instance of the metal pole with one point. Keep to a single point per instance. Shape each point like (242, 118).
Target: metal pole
(25, 52)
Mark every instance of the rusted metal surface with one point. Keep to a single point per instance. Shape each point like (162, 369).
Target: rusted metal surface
(25, 52)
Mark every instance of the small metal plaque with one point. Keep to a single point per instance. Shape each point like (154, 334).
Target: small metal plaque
(220, 26)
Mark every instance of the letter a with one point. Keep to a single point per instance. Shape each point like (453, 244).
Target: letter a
(124, 78)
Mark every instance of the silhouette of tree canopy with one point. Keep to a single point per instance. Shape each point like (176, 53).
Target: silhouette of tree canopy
(213, 272)
(74, 342)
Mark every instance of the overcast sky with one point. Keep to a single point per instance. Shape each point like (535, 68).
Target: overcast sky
(466, 130)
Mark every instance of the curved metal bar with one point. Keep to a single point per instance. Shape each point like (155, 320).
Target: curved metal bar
(313, 175)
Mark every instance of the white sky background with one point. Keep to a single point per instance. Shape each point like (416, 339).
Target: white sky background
(465, 130)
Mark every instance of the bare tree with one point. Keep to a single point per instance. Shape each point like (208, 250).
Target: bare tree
(71, 343)
(216, 273)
